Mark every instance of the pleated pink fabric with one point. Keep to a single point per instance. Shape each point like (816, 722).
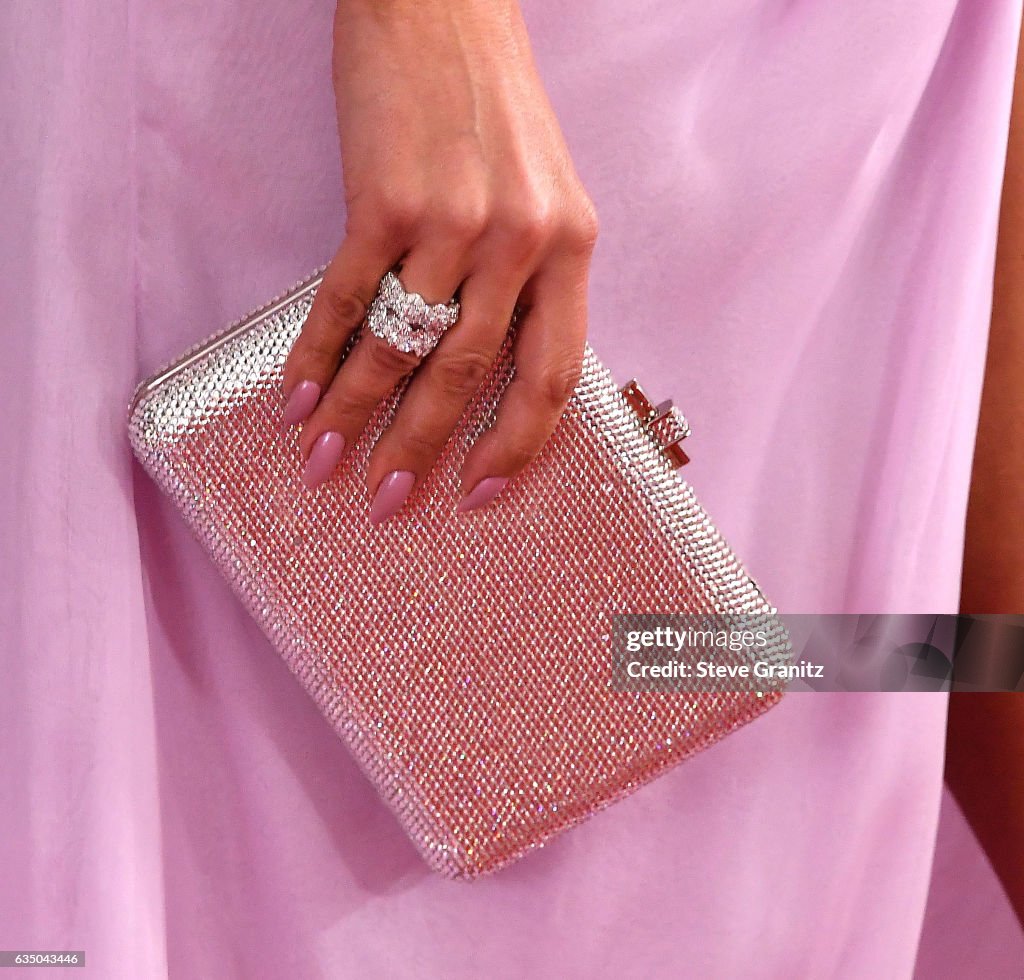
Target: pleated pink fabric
(798, 204)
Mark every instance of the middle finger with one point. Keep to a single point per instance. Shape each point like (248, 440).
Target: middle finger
(439, 393)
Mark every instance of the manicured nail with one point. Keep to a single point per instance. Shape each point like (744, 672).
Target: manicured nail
(301, 402)
(390, 495)
(323, 459)
(483, 493)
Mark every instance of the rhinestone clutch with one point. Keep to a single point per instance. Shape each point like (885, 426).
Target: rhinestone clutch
(463, 658)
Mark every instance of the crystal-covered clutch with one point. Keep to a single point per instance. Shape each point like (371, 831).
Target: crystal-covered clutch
(463, 658)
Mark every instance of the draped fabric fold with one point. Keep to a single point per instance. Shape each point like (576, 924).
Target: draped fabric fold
(798, 206)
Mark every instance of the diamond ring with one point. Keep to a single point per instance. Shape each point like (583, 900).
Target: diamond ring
(406, 320)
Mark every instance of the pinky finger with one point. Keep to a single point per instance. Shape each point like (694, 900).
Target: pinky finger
(548, 354)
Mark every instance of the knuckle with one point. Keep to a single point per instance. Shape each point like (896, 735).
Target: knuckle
(343, 310)
(398, 211)
(345, 406)
(460, 374)
(417, 442)
(528, 228)
(554, 387)
(315, 349)
(384, 359)
(462, 221)
(518, 456)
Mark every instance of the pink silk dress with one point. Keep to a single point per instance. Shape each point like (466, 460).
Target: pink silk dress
(798, 206)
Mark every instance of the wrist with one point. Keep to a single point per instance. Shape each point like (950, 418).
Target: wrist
(487, 36)
(494, 18)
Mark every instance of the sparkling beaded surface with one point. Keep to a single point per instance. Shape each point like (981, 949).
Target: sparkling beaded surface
(464, 659)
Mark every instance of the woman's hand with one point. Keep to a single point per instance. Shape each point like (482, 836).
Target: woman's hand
(454, 165)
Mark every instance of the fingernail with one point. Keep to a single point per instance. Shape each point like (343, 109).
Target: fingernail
(323, 459)
(390, 495)
(483, 493)
(301, 402)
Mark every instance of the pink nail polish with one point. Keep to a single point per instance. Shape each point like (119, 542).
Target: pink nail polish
(390, 495)
(483, 493)
(323, 459)
(301, 403)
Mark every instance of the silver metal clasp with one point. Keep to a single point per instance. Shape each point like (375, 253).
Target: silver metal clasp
(666, 424)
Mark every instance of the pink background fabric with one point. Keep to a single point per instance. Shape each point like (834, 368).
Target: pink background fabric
(798, 207)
